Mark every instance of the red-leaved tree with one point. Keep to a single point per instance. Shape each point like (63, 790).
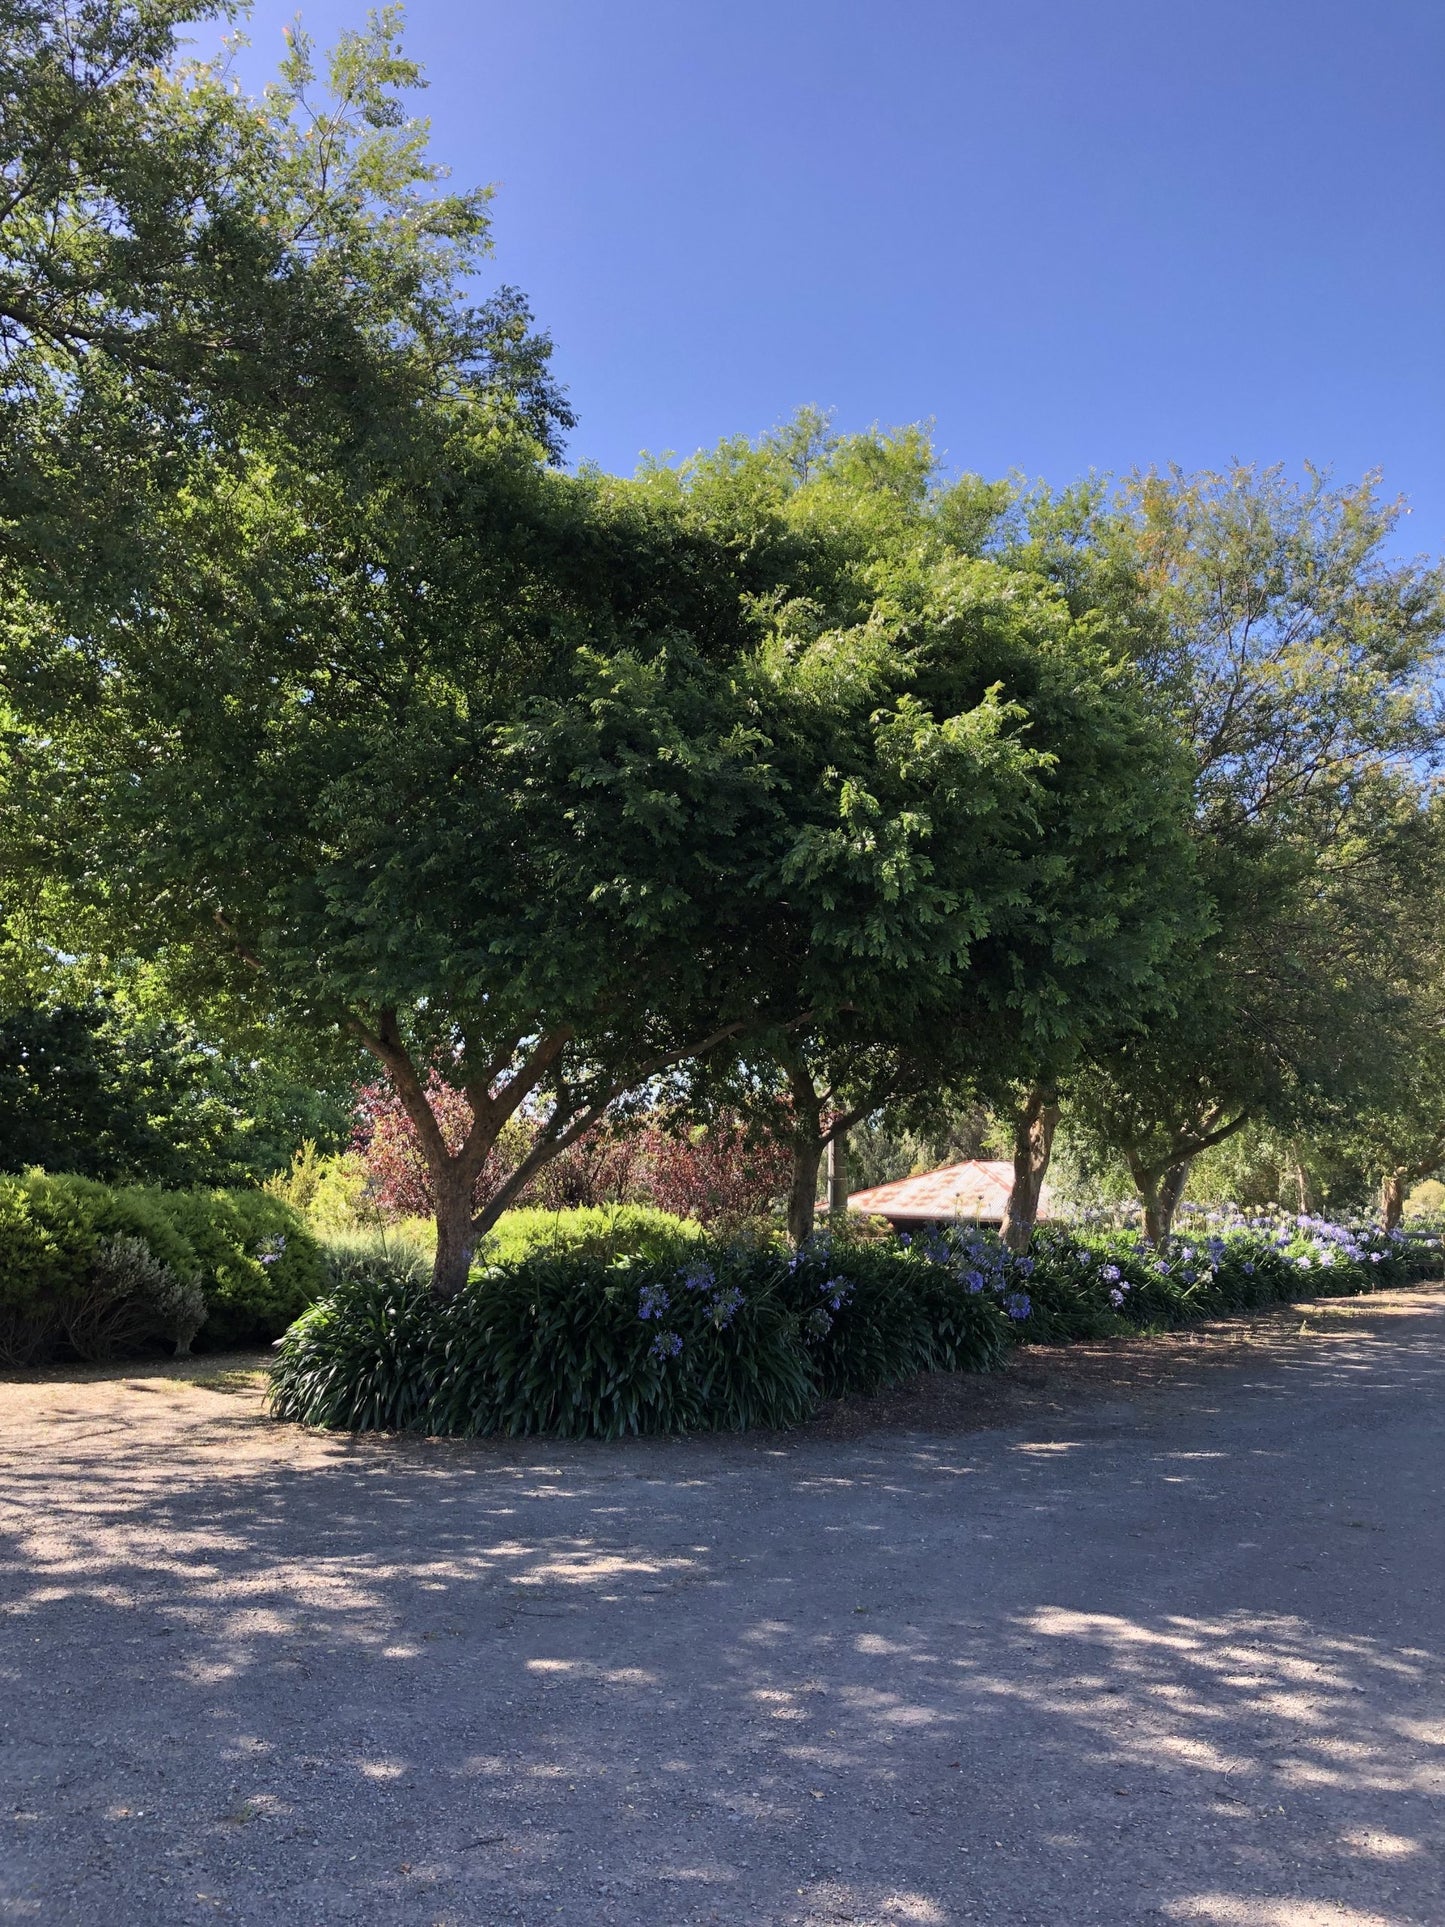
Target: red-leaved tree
(398, 1183)
(722, 1171)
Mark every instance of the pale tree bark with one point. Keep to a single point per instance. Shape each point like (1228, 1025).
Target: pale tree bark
(803, 1193)
(1392, 1200)
(1160, 1184)
(1160, 1190)
(1299, 1173)
(1395, 1185)
(838, 1177)
(1034, 1127)
(1171, 1191)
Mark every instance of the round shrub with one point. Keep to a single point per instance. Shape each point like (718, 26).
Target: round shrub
(258, 1264)
(128, 1301)
(54, 1234)
(599, 1231)
(31, 1257)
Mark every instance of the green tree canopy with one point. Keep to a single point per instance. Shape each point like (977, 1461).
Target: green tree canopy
(1298, 661)
(98, 1090)
(985, 900)
(187, 271)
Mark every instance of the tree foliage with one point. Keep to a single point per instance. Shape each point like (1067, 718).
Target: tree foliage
(100, 1092)
(1296, 660)
(1006, 870)
(186, 268)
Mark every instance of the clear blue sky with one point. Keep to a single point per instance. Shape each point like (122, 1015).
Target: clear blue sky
(1076, 233)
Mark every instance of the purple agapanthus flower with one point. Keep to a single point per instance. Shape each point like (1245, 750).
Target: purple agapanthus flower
(725, 1307)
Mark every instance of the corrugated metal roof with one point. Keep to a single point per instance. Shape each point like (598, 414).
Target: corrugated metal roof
(977, 1188)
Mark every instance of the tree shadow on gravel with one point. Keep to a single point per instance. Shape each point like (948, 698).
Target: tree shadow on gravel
(1169, 1658)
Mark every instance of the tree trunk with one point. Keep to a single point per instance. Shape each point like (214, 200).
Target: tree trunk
(838, 1178)
(456, 1231)
(803, 1197)
(1159, 1193)
(1154, 1231)
(1171, 1191)
(1034, 1129)
(1301, 1177)
(1392, 1200)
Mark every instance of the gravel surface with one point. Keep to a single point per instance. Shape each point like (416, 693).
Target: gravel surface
(1136, 1632)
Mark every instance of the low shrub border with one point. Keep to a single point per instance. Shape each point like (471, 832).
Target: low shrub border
(98, 1271)
(566, 1344)
(570, 1344)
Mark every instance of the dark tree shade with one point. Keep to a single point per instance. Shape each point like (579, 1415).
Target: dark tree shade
(147, 1102)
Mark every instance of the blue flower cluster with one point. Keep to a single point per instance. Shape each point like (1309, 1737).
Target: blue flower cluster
(1304, 1240)
(834, 1290)
(981, 1264)
(1116, 1281)
(719, 1303)
(727, 1302)
(652, 1301)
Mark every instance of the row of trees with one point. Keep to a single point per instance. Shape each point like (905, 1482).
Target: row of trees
(793, 780)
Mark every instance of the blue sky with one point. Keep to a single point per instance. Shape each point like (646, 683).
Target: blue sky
(1075, 233)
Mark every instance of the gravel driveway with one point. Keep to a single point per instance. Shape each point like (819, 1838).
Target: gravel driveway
(1128, 1634)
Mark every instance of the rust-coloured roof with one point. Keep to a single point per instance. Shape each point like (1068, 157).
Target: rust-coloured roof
(977, 1188)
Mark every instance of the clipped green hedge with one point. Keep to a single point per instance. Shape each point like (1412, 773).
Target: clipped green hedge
(598, 1231)
(251, 1256)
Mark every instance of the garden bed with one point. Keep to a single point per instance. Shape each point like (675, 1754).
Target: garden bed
(712, 1336)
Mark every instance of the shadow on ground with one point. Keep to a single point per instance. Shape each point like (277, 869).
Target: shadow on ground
(1171, 1657)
